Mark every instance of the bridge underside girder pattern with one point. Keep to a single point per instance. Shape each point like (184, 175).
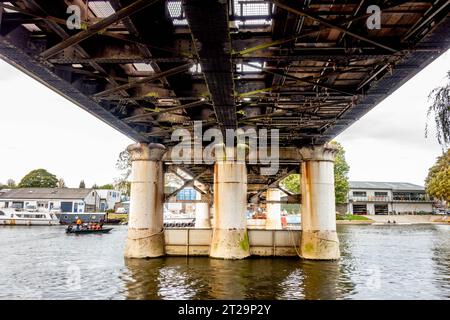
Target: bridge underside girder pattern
(307, 68)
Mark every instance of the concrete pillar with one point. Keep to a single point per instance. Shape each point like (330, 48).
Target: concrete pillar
(273, 217)
(319, 239)
(230, 238)
(202, 219)
(145, 222)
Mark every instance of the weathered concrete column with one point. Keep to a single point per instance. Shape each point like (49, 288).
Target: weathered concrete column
(273, 217)
(145, 222)
(230, 238)
(202, 219)
(319, 239)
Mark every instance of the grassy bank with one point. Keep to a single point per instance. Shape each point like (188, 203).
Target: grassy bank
(351, 217)
(121, 216)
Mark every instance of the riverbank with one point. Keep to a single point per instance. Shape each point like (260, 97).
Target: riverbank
(385, 219)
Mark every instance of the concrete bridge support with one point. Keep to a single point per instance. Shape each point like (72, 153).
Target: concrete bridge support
(145, 224)
(273, 218)
(230, 238)
(319, 239)
(202, 218)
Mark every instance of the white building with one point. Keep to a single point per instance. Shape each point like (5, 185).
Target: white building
(367, 197)
(70, 200)
(108, 198)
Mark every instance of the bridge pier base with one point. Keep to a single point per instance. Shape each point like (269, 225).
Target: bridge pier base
(230, 238)
(145, 224)
(273, 217)
(202, 219)
(319, 239)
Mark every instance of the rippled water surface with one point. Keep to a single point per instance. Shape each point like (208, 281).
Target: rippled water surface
(378, 262)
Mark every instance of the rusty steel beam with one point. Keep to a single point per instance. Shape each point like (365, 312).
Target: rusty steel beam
(97, 27)
(427, 17)
(305, 80)
(183, 106)
(294, 8)
(136, 83)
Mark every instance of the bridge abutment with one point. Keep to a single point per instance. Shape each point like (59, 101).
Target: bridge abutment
(230, 238)
(145, 224)
(319, 239)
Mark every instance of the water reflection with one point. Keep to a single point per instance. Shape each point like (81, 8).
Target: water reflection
(378, 262)
(204, 278)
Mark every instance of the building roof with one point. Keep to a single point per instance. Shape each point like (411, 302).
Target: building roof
(404, 186)
(45, 193)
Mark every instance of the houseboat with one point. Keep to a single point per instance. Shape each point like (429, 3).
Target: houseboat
(12, 217)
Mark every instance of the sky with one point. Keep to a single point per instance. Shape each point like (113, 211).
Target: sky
(40, 129)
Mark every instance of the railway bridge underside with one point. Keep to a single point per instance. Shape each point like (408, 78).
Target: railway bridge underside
(293, 72)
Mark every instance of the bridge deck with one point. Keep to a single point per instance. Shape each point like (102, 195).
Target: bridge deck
(308, 68)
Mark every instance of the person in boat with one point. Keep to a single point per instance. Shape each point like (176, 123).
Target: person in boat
(101, 222)
(79, 222)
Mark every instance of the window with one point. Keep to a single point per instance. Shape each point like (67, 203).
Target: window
(187, 194)
(380, 194)
(359, 194)
(2, 213)
(381, 209)
(359, 209)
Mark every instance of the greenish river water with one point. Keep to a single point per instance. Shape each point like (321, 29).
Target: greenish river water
(378, 262)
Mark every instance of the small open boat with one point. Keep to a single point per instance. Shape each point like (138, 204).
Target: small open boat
(87, 231)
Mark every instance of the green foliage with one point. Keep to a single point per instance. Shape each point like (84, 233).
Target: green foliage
(39, 178)
(82, 185)
(108, 186)
(123, 164)
(440, 106)
(437, 183)
(341, 187)
(341, 168)
(291, 183)
(350, 217)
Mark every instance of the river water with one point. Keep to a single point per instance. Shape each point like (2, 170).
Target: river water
(378, 262)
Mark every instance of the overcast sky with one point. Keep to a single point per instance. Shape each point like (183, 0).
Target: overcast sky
(40, 129)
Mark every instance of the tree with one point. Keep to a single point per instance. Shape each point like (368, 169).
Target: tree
(341, 169)
(292, 183)
(82, 185)
(437, 183)
(11, 184)
(108, 186)
(94, 186)
(61, 183)
(341, 187)
(39, 178)
(123, 164)
(440, 106)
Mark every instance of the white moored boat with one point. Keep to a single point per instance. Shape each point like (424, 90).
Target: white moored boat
(10, 216)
